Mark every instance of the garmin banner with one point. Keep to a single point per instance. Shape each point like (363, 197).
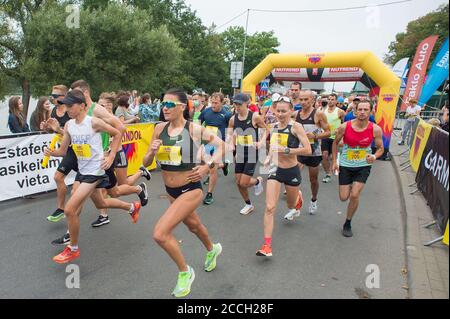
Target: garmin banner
(21, 171)
(433, 174)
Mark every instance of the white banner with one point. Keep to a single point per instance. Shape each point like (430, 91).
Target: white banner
(21, 172)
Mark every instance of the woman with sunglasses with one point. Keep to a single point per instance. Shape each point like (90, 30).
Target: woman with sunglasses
(288, 140)
(175, 146)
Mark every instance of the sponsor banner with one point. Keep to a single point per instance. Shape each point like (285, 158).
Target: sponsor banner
(433, 174)
(135, 143)
(421, 135)
(21, 161)
(437, 75)
(318, 74)
(445, 240)
(418, 71)
(21, 170)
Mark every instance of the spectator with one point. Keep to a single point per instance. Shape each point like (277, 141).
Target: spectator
(444, 124)
(122, 111)
(148, 112)
(134, 99)
(434, 122)
(16, 121)
(412, 112)
(41, 114)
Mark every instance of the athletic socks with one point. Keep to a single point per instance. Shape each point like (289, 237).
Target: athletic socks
(74, 248)
(248, 202)
(268, 241)
(131, 211)
(348, 222)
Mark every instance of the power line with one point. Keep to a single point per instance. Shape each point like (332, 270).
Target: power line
(232, 19)
(332, 10)
(315, 10)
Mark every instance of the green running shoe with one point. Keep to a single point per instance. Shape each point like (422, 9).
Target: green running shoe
(206, 182)
(211, 257)
(208, 199)
(56, 216)
(184, 283)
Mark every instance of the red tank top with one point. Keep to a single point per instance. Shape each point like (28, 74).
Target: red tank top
(362, 139)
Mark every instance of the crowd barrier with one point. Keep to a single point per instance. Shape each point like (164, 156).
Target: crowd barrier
(21, 156)
(429, 158)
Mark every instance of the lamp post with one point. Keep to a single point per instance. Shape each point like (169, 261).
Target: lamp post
(245, 47)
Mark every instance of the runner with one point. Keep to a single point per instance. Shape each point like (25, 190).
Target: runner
(356, 159)
(175, 144)
(197, 99)
(246, 142)
(56, 123)
(216, 121)
(317, 128)
(295, 89)
(125, 185)
(83, 132)
(284, 169)
(335, 118)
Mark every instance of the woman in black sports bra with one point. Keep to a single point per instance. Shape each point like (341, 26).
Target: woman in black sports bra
(288, 140)
(174, 145)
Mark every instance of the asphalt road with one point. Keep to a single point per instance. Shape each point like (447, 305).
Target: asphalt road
(120, 260)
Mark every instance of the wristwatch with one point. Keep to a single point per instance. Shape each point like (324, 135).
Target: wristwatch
(211, 164)
(287, 151)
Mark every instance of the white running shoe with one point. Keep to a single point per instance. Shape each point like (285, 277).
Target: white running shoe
(247, 209)
(259, 189)
(292, 213)
(313, 208)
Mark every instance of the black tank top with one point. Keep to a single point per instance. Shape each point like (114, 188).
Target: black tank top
(246, 134)
(310, 127)
(177, 153)
(284, 137)
(61, 120)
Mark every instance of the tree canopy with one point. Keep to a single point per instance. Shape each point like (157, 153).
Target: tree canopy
(405, 44)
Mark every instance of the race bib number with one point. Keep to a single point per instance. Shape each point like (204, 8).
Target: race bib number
(245, 140)
(213, 129)
(82, 150)
(356, 155)
(279, 139)
(169, 155)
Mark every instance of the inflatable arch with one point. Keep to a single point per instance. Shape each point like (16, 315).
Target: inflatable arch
(388, 82)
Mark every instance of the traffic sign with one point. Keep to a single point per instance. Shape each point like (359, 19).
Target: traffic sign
(236, 71)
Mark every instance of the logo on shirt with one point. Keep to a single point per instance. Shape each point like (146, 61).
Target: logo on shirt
(366, 140)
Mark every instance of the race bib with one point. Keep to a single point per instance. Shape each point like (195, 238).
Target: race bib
(213, 129)
(245, 140)
(279, 139)
(169, 155)
(82, 150)
(356, 155)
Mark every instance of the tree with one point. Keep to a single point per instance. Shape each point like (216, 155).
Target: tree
(203, 61)
(14, 52)
(405, 44)
(259, 45)
(113, 49)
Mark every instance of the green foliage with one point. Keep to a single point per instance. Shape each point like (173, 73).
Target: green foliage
(113, 49)
(405, 45)
(259, 45)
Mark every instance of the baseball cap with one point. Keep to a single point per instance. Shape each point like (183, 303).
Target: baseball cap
(241, 98)
(340, 99)
(73, 97)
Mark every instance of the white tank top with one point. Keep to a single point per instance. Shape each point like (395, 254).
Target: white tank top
(87, 145)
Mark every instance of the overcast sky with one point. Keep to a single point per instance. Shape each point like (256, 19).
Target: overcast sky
(363, 29)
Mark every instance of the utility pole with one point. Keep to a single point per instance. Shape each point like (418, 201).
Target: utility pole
(245, 47)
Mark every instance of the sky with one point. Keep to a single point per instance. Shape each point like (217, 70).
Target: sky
(367, 29)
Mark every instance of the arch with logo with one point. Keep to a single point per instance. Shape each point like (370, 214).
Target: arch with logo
(388, 82)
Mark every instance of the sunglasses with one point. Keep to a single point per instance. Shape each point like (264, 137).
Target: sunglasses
(284, 99)
(170, 104)
(56, 96)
